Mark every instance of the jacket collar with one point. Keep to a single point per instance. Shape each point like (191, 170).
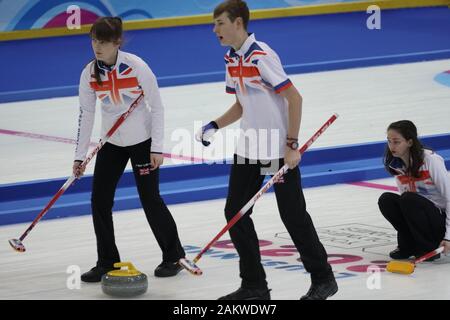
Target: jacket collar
(398, 165)
(245, 46)
(107, 68)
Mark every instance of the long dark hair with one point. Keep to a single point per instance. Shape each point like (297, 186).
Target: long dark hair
(107, 29)
(407, 130)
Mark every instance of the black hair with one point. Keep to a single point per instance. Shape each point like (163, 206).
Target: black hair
(407, 130)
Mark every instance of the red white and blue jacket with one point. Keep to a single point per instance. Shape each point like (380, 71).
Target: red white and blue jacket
(255, 74)
(121, 85)
(433, 182)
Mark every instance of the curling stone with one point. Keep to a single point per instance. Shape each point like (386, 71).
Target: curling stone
(124, 282)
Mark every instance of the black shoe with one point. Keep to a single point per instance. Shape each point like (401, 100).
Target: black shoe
(167, 269)
(95, 274)
(397, 254)
(433, 258)
(248, 294)
(321, 291)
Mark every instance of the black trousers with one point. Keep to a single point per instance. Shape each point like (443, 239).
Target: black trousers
(419, 223)
(109, 167)
(245, 180)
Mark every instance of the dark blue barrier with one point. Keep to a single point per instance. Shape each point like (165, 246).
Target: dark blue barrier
(21, 202)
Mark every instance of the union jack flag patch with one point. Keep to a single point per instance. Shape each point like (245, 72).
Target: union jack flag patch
(144, 171)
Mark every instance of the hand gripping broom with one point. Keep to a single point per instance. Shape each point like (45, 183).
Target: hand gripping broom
(17, 244)
(191, 265)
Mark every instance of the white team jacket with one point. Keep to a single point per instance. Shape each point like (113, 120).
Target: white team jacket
(433, 183)
(121, 85)
(255, 74)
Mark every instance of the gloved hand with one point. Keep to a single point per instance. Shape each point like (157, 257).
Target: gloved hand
(206, 132)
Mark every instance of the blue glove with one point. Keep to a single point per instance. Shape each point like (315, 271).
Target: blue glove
(206, 132)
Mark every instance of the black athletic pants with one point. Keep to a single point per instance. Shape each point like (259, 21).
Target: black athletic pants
(109, 167)
(419, 223)
(245, 180)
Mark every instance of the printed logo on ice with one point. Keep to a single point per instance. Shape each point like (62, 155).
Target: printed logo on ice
(351, 238)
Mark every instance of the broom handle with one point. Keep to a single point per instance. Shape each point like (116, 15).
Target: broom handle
(429, 255)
